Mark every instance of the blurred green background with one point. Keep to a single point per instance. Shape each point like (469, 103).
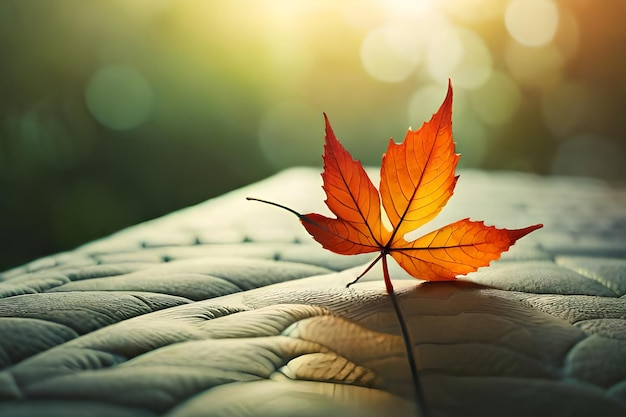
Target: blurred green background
(114, 112)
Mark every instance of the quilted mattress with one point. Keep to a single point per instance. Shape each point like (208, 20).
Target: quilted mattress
(229, 308)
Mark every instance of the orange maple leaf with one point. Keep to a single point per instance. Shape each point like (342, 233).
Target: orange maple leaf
(416, 181)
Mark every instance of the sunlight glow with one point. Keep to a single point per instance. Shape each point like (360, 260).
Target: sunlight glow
(390, 54)
(462, 55)
(474, 11)
(532, 22)
(407, 8)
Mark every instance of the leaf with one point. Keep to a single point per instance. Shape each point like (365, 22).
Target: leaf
(416, 181)
(352, 197)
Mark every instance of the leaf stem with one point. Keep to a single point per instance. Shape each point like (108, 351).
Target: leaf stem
(366, 270)
(420, 405)
(275, 204)
(388, 284)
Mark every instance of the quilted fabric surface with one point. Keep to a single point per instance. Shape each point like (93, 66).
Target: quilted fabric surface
(229, 308)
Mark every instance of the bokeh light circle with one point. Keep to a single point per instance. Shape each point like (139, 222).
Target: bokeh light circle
(390, 54)
(459, 54)
(119, 97)
(532, 22)
(444, 53)
(425, 102)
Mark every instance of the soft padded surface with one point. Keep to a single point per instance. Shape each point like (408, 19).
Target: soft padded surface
(229, 308)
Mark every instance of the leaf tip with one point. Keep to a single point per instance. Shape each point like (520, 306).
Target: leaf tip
(330, 140)
(329, 130)
(447, 102)
(516, 234)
